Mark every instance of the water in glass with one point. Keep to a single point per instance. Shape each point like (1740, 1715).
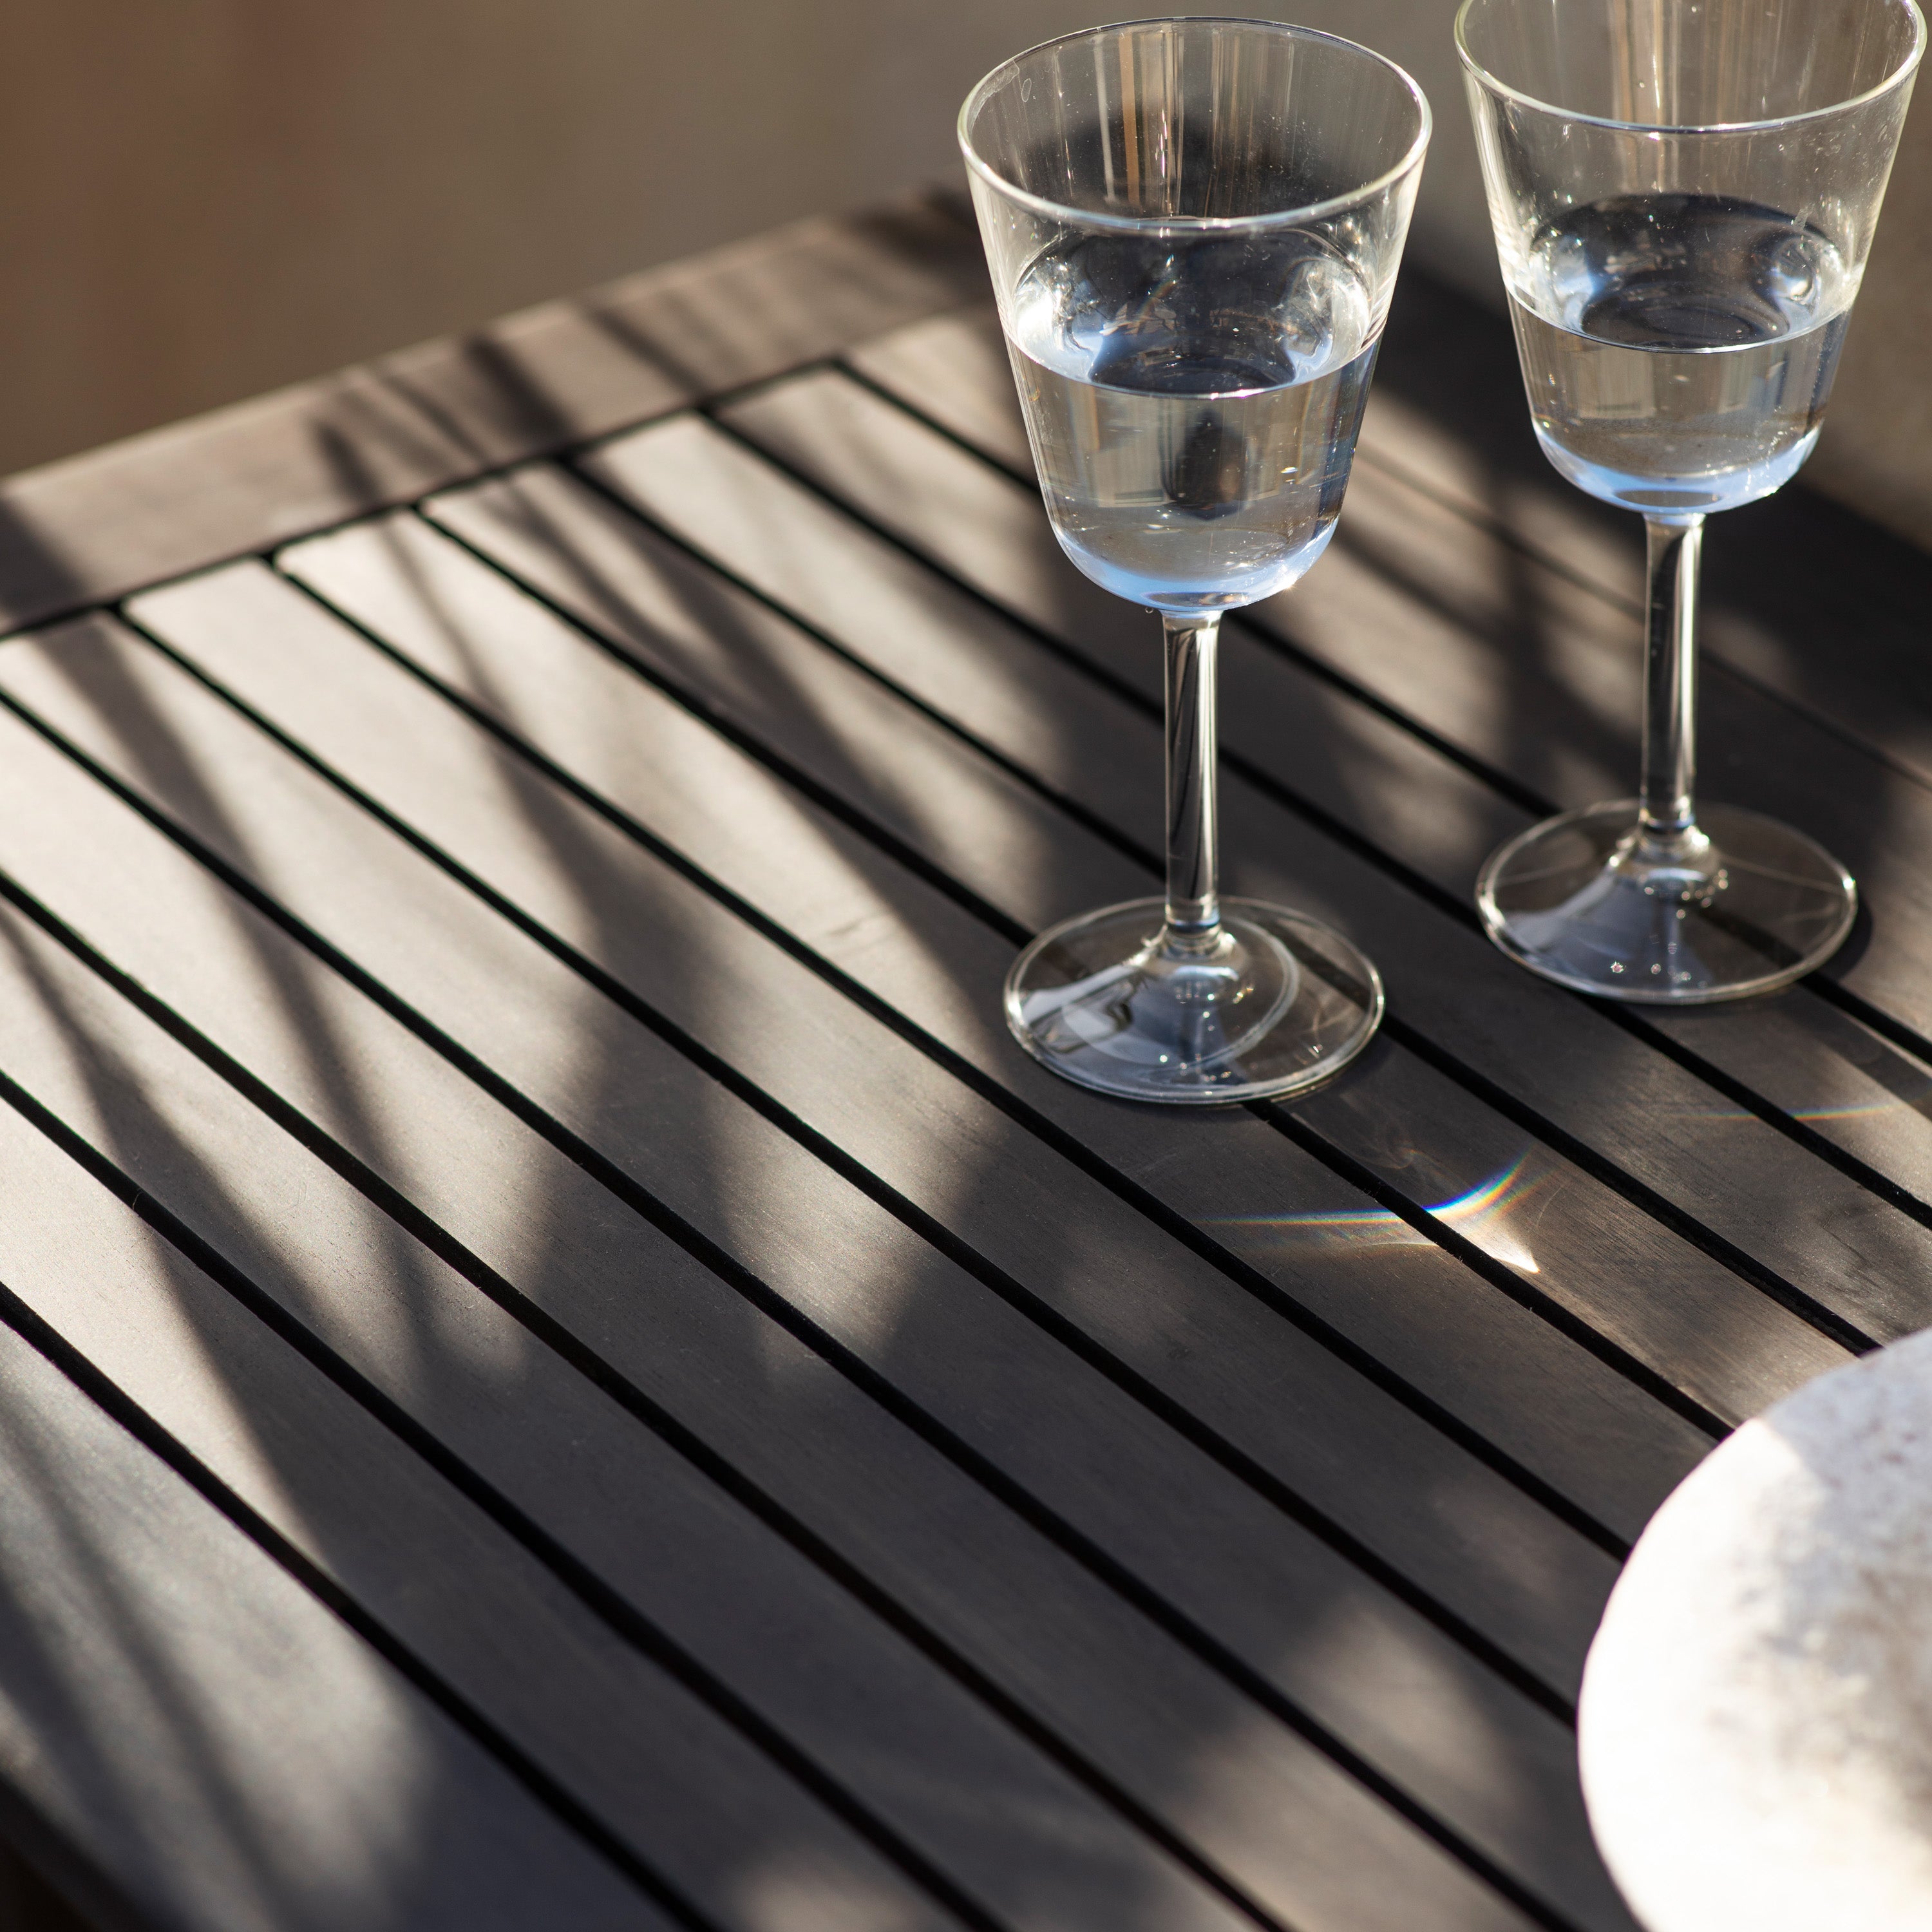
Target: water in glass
(1193, 407)
(1679, 348)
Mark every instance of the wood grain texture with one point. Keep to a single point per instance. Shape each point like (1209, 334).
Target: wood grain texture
(638, 590)
(740, 1601)
(93, 527)
(662, 1340)
(456, 619)
(636, 1745)
(641, 587)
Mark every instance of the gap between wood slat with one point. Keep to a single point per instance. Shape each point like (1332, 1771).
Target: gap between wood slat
(185, 628)
(478, 886)
(1141, 703)
(1413, 1212)
(813, 1547)
(598, 1597)
(554, 1335)
(409, 832)
(1826, 1321)
(285, 741)
(684, 867)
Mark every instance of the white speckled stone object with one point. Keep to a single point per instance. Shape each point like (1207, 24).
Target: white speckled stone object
(1756, 1716)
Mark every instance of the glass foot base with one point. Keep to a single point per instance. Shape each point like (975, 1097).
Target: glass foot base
(1268, 1005)
(1740, 904)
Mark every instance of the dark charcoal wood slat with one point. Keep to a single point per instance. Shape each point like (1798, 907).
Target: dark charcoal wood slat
(468, 626)
(630, 1745)
(746, 1605)
(1580, 1068)
(916, 774)
(924, 1756)
(185, 1715)
(1449, 624)
(955, 367)
(890, 609)
(461, 1168)
(95, 527)
(455, 784)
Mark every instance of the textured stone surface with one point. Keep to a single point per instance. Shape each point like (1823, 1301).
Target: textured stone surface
(1756, 1727)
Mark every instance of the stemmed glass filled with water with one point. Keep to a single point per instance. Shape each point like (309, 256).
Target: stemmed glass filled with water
(1683, 194)
(1193, 228)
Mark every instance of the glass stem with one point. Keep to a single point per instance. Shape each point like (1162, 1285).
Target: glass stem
(1670, 817)
(1193, 910)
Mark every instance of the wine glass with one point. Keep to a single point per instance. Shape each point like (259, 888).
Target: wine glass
(1193, 228)
(1683, 194)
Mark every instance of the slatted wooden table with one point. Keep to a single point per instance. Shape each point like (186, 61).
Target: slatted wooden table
(557, 1368)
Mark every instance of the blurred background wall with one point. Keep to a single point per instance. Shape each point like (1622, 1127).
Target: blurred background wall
(200, 199)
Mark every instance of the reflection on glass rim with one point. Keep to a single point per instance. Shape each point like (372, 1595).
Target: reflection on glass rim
(1496, 84)
(1194, 224)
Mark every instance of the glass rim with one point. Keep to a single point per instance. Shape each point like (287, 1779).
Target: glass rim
(1188, 224)
(1496, 84)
